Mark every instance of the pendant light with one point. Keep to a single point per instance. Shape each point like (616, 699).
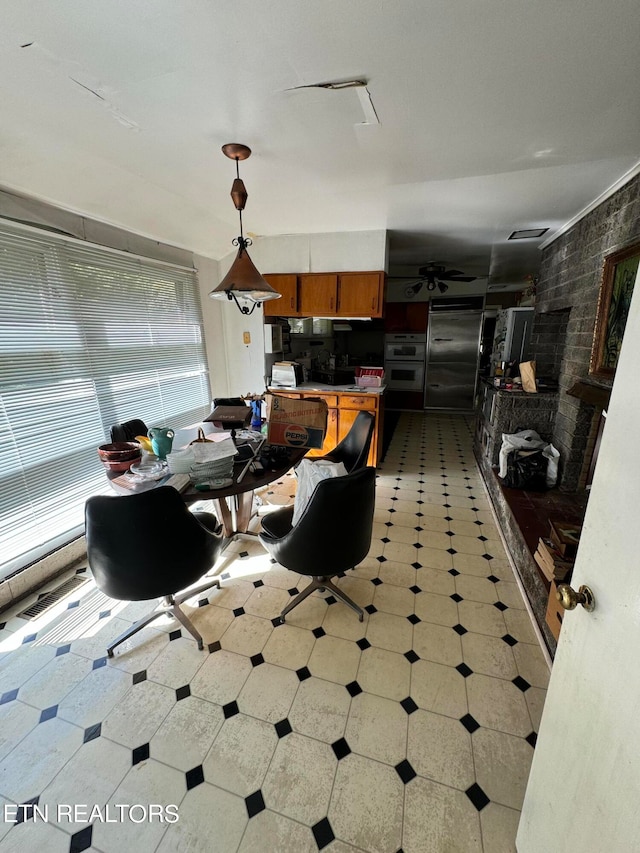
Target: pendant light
(243, 283)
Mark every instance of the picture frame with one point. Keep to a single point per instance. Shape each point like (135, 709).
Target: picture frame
(616, 289)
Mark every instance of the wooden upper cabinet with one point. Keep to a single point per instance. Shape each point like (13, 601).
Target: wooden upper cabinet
(360, 294)
(317, 294)
(287, 305)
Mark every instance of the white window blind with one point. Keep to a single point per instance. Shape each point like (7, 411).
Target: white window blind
(88, 338)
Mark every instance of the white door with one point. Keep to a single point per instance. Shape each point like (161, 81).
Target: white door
(583, 794)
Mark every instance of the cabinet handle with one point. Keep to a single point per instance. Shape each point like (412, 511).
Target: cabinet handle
(373, 304)
(291, 300)
(331, 303)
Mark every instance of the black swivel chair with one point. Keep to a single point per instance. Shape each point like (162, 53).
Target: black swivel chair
(149, 545)
(353, 450)
(128, 430)
(332, 535)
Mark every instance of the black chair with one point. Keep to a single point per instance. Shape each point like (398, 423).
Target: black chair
(353, 450)
(332, 535)
(128, 430)
(149, 545)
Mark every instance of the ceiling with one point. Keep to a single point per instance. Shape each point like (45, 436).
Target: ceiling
(493, 116)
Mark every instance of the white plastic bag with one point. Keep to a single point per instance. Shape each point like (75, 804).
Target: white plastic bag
(528, 439)
(309, 474)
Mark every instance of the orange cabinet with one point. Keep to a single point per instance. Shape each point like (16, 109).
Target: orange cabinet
(287, 305)
(360, 294)
(345, 294)
(343, 410)
(317, 294)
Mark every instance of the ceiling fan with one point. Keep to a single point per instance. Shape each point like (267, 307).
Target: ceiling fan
(435, 275)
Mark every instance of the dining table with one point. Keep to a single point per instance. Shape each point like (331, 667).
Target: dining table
(234, 502)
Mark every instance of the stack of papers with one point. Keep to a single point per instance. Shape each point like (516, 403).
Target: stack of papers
(212, 460)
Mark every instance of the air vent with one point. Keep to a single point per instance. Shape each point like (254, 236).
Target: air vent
(48, 599)
(527, 234)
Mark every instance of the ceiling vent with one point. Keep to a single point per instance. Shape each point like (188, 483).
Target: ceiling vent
(527, 233)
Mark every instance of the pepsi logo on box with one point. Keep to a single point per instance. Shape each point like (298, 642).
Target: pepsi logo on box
(296, 423)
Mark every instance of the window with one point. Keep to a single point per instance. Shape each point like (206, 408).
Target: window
(88, 338)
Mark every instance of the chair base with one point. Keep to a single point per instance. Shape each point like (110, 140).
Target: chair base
(321, 583)
(169, 604)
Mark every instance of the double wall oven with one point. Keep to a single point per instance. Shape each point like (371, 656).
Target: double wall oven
(404, 361)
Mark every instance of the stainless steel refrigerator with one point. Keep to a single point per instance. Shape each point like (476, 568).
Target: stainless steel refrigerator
(453, 350)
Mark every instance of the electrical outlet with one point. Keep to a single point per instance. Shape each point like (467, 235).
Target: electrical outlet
(246, 337)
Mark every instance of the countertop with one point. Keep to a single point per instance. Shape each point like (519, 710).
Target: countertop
(320, 387)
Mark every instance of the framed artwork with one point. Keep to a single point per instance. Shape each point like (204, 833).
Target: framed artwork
(616, 289)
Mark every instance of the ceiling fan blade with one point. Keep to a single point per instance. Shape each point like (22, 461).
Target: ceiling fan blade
(458, 277)
(449, 273)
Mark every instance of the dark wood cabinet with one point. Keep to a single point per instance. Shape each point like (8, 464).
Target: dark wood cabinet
(287, 305)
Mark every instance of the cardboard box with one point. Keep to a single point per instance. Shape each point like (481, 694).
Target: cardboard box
(555, 612)
(565, 536)
(553, 565)
(296, 423)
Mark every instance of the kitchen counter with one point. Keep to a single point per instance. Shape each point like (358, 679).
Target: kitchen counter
(322, 388)
(344, 402)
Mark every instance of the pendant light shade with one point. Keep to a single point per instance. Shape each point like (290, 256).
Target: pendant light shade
(243, 283)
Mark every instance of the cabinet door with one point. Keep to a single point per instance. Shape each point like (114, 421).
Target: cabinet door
(317, 294)
(287, 305)
(360, 294)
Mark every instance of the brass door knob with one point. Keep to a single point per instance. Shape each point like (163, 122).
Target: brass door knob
(569, 599)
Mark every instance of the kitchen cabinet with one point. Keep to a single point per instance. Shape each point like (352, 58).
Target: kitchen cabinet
(287, 305)
(317, 294)
(343, 409)
(406, 317)
(360, 294)
(345, 294)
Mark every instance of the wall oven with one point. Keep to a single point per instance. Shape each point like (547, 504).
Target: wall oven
(404, 361)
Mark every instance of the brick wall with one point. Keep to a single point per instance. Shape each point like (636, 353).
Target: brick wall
(568, 288)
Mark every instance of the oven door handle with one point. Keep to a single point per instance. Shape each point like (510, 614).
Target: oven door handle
(442, 339)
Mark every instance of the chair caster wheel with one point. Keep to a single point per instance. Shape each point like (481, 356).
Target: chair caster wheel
(361, 617)
(110, 653)
(281, 620)
(200, 645)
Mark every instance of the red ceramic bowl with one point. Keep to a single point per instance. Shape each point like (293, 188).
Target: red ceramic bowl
(119, 451)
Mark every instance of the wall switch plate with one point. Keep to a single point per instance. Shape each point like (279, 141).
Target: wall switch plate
(246, 337)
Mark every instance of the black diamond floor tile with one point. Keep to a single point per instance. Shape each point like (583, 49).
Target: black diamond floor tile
(194, 777)
(341, 748)
(283, 728)
(183, 692)
(405, 771)
(81, 840)
(254, 803)
(409, 705)
(140, 753)
(521, 683)
(92, 732)
(323, 833)
(470, 724)
(477, 796)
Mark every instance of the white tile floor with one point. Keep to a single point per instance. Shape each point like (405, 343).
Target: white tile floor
(412, 731)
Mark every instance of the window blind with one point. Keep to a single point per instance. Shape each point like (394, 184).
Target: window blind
(88, 338)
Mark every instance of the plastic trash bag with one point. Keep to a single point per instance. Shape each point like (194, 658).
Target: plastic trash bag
(309, 474)
(528, 440)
